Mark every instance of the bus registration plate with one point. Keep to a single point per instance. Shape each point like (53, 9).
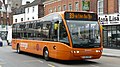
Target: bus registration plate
(86, 57)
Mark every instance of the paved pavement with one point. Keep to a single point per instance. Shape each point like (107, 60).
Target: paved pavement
(111, 52)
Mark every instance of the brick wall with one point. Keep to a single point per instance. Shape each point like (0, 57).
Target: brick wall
(116, 7)
(111, 6)
(93, 5)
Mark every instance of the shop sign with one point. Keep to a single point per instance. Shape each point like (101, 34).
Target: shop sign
(114, 19)
(85, 5)
(110, 19)
(103, 19)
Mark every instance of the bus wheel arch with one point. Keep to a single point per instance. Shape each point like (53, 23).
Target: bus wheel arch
(18, 48)
(46, 53)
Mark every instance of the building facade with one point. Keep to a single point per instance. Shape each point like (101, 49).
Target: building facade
(74, 5)
(5, 20)
(109, 15)
(29, 11)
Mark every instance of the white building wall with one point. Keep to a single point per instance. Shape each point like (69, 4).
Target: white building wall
(31, 12)
(18, 17)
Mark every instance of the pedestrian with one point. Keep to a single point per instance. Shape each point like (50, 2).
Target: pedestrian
(1, 43)
(8, 42)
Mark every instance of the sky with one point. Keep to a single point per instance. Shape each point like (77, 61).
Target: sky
(24, 1)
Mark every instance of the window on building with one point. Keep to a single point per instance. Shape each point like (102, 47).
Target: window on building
(76, 6)
(54, 9)
(15, 20)
(28, 10)
(100, 6)
(59, 8)
(70, 7)
(50, 11)
(64, 7)
(21, 19)
(32, 17)
(119, 6)
(28, 18)
(33, 9)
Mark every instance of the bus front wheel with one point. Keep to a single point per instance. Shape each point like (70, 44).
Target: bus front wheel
(46, 54)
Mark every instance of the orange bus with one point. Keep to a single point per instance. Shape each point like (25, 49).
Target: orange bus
(66, 35)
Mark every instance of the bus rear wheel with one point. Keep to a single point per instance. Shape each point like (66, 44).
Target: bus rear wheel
(46, 54)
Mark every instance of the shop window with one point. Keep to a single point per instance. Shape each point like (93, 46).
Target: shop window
(30, 25)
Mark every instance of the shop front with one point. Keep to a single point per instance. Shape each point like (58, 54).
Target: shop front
(111, 30)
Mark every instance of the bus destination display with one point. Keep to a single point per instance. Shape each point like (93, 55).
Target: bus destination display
(80, 16)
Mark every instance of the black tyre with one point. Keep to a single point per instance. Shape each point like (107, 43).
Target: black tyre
(46, 54)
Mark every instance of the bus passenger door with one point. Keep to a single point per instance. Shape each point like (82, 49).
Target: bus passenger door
(53, 33)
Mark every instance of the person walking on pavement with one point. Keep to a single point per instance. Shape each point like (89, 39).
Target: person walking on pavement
(1, 43)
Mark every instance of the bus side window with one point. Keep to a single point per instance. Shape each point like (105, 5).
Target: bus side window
(19, 31)
(45, 31)
(36, 31)
(54, 31)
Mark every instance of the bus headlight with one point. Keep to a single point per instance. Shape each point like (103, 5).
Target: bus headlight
(75, 51)
(78, 51)
(98, 51)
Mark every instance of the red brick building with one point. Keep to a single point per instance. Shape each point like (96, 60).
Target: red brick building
(61, 5)
(110, 6)
(109, 15)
